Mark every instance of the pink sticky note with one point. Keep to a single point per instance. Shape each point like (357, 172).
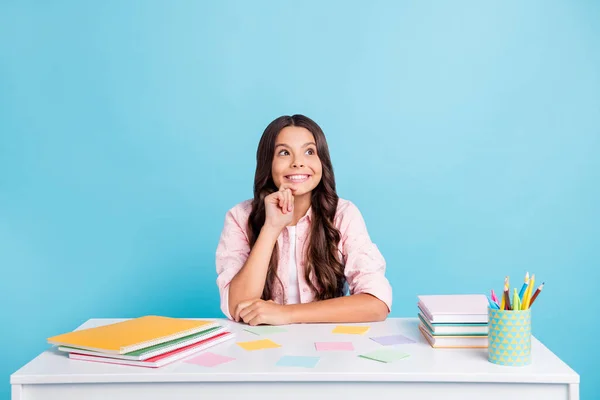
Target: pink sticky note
(209, 359)
(329, 346)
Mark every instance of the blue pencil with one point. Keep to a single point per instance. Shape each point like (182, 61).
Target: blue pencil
(524, 287)
(492, 304)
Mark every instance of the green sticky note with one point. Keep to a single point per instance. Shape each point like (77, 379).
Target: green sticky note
(264, 329)
(385, 355)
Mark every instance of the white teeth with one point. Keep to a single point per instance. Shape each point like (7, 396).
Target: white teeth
(297, 177)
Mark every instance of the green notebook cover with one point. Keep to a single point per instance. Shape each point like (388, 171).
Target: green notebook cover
(155, 350)
(156, 347)
(426, 326)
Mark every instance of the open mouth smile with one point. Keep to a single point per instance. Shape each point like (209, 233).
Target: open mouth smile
(298, 178)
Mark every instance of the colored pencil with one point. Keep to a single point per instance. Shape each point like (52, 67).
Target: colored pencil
(506, 295)
(494, 298)
(528, 292)
(516, 301)
(524, 287)
(537, 292)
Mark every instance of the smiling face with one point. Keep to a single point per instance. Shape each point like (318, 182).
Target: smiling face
(296, 162)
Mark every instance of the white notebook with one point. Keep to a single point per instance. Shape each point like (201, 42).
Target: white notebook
(454, 308)
(450, 329)
(454, 341)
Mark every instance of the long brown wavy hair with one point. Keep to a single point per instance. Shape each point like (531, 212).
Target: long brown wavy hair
(322, 253)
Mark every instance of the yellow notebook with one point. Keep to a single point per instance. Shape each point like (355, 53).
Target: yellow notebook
(131, 335)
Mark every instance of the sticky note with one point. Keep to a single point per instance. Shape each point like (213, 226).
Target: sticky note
(391, 340)
(350, 329)
(209, 359)
(298, 361)
(333, 346)
(385, 355)
(258, 345)
(264, 330)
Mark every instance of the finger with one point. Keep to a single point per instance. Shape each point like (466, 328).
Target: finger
(257, 320)
(236, 312)
(273, 198)
(246, 311)
(280, 199)
(250, 316)
(284, 193)
(241, 306)
(292, 199)
(288, 198)
(289, 186)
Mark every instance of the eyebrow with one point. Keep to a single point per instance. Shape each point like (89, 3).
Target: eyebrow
(304, 145)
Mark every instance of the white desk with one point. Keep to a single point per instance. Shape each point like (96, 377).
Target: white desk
(428, 373)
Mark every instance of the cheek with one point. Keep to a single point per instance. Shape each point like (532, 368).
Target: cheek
(318, 165)
(276, 173)
(318, 168)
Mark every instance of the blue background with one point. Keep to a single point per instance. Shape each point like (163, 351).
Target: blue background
(467, 133)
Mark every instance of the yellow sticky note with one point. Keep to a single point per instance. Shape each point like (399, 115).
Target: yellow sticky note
(351, 330)
(258, 344)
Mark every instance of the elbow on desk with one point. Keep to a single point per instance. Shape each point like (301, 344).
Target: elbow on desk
(370, 309)
(381, 314)
(379, 311)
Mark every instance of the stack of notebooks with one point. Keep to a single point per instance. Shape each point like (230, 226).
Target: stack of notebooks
(150, 341)
(448, 321)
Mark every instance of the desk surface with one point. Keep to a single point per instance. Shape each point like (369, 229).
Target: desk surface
(425, 364)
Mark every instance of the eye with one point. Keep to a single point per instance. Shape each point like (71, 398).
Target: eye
(310, 152)
(283, 153)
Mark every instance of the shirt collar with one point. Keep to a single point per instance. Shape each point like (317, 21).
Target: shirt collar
(308, 215)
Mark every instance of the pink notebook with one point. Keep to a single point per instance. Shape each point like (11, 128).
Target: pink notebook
(454, 308)
(163, 359)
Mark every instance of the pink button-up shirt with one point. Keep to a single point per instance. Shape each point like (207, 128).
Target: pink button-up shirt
(364, 265)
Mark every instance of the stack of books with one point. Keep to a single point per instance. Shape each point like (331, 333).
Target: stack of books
(450, 321)
(149, 341)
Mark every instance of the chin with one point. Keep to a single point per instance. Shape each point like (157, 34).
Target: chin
(301, 192)
(303, 188)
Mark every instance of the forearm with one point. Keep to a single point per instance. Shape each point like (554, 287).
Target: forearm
(360, 307)
(249, 282)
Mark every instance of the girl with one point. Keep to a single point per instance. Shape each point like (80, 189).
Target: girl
(287, 255)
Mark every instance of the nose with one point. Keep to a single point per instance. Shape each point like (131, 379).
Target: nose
(297, 164)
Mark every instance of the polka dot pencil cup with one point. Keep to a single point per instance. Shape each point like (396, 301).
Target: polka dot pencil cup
(509, 337)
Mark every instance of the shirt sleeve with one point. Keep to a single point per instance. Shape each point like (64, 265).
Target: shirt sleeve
(365, 266)
(232, 252)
